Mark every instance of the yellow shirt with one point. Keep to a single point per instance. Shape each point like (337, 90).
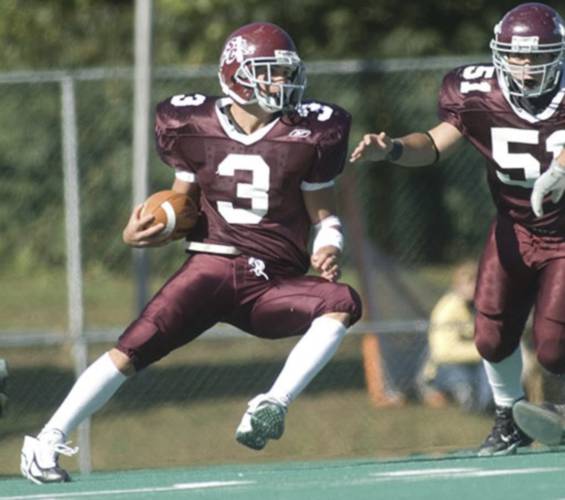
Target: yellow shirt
(450, 334)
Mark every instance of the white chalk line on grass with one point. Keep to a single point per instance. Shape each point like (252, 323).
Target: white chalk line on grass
(457, 473)
(402, 475)
(174, 487)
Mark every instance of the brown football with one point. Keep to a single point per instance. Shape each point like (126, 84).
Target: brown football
(177, 211)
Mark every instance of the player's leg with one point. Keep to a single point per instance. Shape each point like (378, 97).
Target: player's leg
(319, 311)
(93, 388)
(546, 423)
(503, 299)
(188, 304)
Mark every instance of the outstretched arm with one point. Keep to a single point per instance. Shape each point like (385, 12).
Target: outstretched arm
(413, 150)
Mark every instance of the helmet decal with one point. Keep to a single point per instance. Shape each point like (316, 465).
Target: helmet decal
(236, 49)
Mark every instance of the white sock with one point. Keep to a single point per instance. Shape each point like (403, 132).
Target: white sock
(505, 379)
(96, 385)
(307, 358)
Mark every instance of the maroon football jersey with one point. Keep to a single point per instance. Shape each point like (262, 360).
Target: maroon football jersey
(252, 185)
(518, 145)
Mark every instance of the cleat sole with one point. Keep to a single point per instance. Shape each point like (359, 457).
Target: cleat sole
(267, 422)
(539, 423)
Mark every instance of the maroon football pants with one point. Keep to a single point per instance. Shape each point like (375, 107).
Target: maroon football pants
(209, 289)
(519, 270)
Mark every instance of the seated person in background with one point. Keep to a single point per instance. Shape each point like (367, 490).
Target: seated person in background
(454, 369)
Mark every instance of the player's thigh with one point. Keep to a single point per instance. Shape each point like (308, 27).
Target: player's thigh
(197, 296)
(549, 317)
(504, 295)
(289, 307)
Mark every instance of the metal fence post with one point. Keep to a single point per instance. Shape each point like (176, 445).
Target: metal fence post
(73, 251)
(142, 99)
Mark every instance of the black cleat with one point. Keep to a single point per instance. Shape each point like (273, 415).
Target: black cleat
(505, 436)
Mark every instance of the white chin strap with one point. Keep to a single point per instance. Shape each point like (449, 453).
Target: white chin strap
(268, 103)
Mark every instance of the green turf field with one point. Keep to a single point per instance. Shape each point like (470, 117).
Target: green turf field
(532, 475)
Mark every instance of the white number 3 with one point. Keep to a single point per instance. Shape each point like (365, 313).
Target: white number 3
(188, 100)
(257, 191)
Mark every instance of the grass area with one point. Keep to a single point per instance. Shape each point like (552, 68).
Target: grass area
(184, 411)
(329, 425)
(322, 426)
(39, 301)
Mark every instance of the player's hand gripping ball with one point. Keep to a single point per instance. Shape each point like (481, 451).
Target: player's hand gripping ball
(178, 212)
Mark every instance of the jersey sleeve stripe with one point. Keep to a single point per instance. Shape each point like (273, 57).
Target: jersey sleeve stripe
(183, 175)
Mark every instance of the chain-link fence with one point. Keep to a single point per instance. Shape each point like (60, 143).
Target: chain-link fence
(419, 223)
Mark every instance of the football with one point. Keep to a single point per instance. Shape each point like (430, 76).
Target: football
(177, 211)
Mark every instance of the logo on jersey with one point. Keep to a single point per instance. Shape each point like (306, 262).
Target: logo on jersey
(300, 132)
(236, 50)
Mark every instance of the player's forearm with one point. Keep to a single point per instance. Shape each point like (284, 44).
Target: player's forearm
(416, 150)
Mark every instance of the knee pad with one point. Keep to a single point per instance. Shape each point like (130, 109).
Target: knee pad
(494, 340)
(550, 344)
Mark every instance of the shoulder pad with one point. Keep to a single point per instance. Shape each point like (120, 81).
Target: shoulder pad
(178, 110)
(469, 78)
(323, 116)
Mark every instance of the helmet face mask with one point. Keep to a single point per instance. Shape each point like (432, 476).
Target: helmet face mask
(278, 83)
(528, 78)
(528, 49)
(259, 64)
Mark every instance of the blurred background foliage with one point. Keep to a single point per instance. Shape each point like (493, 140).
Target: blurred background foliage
(422, 216)
(40, 34)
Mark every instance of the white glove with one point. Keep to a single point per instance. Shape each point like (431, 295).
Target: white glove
(552, 181)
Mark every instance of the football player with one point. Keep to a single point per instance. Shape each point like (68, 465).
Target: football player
(262, 164)
(513, 112)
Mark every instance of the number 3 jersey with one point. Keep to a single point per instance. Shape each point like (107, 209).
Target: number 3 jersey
(252, 185)
(518, 144)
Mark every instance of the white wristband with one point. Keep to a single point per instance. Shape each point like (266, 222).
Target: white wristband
(328, 233)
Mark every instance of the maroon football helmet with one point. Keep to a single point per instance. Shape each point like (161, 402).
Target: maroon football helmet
(532, 31)
(252, 56)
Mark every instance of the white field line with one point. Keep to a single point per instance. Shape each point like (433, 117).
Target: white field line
(96, 493)
(457, 473)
